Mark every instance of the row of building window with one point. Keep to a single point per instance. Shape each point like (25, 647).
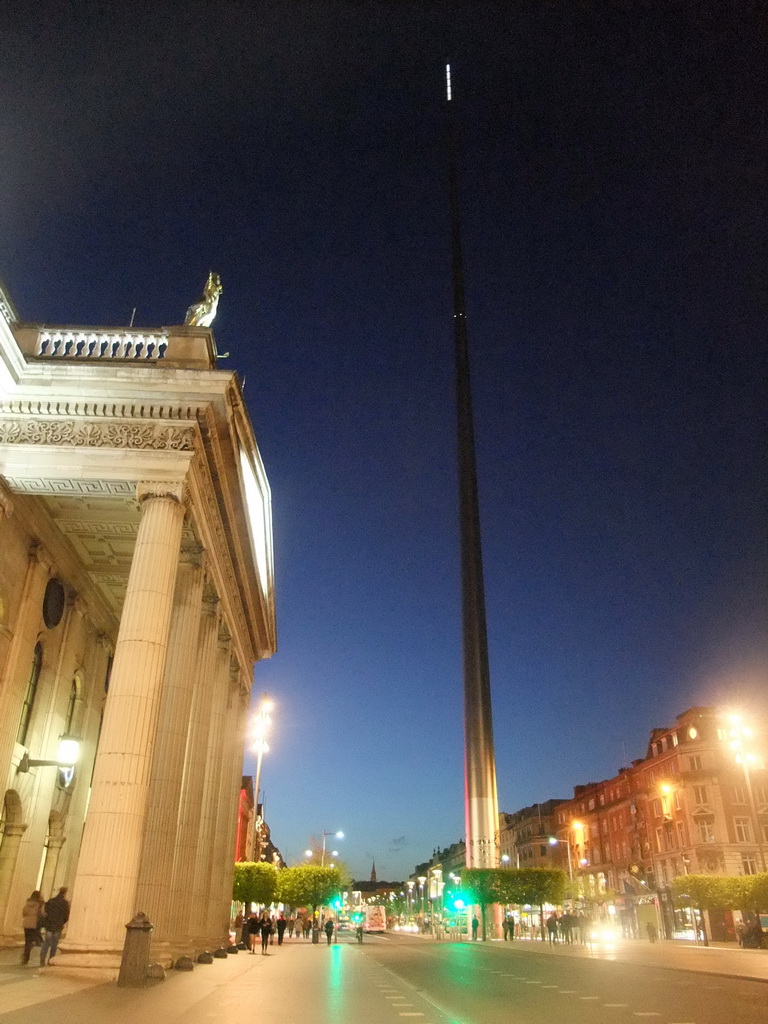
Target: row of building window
(30, 697)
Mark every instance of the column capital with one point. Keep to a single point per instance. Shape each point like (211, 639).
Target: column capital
(14, 829)
(146, 489)
(194, 555)
(38, 554)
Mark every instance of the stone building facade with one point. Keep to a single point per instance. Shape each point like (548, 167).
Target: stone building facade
(136, 595)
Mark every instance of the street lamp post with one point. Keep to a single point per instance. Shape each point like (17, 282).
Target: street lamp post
(554, 841)
(738, 733)
(422, 880)
(334, 853)
(261, 725)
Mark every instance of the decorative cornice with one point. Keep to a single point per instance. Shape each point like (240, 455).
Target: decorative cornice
(156, 436)
(98, 410)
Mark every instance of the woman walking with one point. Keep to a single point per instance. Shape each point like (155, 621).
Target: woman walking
(31, 916)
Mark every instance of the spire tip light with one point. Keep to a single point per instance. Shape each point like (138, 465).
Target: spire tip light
(448, 82)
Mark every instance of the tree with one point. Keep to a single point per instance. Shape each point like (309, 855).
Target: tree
(254, 882)
(483, 886)
(308, 885)
(532, 886)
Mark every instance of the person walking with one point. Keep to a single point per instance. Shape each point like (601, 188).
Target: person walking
(329, 929)
(56, 916)
(265, 927)
(359, 933)
(282, 924)
(307, 927)
(253, 926)
(475, 926)
(291, 926)
(511, 928)
(652, 933)
(31, 916)
(552, 928)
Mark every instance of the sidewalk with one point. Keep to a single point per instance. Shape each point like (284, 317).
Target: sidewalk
(733, 962)
(339, 984)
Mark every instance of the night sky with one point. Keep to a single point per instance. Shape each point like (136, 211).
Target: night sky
(615, 227)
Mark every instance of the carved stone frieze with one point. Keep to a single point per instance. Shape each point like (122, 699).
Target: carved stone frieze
(97, 434)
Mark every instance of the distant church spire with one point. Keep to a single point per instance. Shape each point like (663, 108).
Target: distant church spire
(373, 872)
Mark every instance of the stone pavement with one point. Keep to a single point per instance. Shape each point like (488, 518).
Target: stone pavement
(296, 982)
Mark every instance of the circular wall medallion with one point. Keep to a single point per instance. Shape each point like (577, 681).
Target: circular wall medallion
(693, 732)
(53, 603)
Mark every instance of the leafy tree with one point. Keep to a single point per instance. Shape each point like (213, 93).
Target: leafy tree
(483, 884)
(254, 882)
(308, 885)
(533, 886)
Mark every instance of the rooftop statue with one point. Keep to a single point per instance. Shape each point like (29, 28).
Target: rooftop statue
(201, 314)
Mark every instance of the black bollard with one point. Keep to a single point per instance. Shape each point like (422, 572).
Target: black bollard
(135, 960)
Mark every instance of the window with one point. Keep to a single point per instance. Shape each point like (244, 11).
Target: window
(674, 739)
(760, 792)
(706, 832)
(615, 823)
(764, 830)
(700, 794)
(743, 829)
(695, 763)
(604, 827)
(748, 864)
(678, 800)
(738, 795)
(29, 697)
(657, 808)
(602, 799)
(592, 803)
(680, 834)
(659, 839)
(663, 744)
(543, 850)
(654, 750)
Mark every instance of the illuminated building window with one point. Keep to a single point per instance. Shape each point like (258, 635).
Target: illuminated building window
(700, 794)
(743, 829)
(748, 864)
(706, 832)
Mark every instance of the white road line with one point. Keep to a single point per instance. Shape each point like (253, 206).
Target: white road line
(411, 1015)
(616, 1006)
(549, 986)
(568, 991)
(589, 997)
(646, 1014)
(529, 981)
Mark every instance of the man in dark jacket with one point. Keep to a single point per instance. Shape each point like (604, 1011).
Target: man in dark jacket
(55, 917)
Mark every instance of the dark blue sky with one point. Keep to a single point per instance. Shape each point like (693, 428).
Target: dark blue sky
(615, 217)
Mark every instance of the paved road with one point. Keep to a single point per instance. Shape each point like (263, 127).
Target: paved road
(395, 980)
(486, 983)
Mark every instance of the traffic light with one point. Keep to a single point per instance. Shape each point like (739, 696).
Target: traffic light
(357, 918)
(459, 900)
(338, 904)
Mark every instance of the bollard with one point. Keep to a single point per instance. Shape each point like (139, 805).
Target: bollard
(184, 963)
(135, 961)
(205, 957)
(315, 935)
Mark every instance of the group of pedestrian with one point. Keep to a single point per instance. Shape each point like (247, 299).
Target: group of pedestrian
(750, 933)
(568, 928)
(266, 927)
(43, 923)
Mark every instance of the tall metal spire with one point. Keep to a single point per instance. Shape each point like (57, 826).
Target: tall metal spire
(481, 799)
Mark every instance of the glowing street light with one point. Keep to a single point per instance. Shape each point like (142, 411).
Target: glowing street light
(334, 853)
(261, 726)
(737, 734)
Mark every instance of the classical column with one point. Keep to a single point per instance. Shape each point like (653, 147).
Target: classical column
(104, 896)
(19, 660)
(157, 856)
(52, 852)
(220, 896)
(9, 852)
(242, 702)
(190, 804)
(205, 867)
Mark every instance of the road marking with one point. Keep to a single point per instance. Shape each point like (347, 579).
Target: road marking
(549, 986)
(530, 982)
(411, 1015)
(568, 991)
(616, 1006)
(646, 1014)
(589, 997)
